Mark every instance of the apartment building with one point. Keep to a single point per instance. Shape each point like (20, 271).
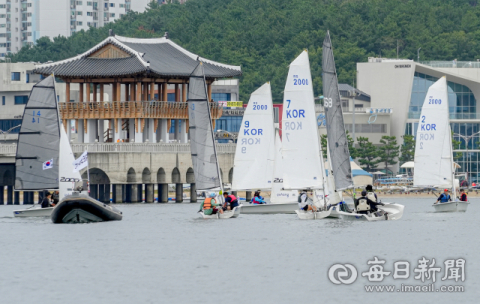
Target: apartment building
(23, 22)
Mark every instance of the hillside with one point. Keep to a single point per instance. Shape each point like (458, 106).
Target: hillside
(263, 36)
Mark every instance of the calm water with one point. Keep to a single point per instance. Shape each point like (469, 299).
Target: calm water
(167, 254)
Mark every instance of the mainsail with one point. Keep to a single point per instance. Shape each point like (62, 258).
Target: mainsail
(279, 196)
(37, 158)
(202, 142)
(254, 155)
(68, 178)
(302, 168)
(433, 148)
(337, 138)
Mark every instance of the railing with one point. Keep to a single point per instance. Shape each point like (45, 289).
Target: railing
(127, 148)
(130, 109)
(8, 149)
(460, 116)
(452, 64)
(320, 108)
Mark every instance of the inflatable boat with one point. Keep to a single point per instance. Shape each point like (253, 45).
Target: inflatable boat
(81, 208)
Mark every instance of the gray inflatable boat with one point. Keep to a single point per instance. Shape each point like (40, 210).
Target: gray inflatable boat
(81, 208)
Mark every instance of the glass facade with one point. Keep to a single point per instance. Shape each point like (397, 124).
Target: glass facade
(221, 97)
(229, 123)
(6, 124)
(461, 101)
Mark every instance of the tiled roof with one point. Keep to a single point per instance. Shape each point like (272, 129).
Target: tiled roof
(161, 57)
(345, 90)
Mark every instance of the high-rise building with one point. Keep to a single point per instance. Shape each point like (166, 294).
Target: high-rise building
(23, 22)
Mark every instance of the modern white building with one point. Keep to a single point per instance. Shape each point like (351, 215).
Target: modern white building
(403, 84)
(23, 22)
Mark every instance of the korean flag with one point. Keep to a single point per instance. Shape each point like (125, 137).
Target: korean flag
(48, 164)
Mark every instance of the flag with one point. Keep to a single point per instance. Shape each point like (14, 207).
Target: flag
(81, 162)
(48, 164)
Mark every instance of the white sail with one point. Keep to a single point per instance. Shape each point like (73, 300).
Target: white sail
(67, 178)
(433, 149)
(301, 161)
(279, 196)
(254, 155)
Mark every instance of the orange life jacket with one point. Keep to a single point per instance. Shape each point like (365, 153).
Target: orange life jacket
(207, 204)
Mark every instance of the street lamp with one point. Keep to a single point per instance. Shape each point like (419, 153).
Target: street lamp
(418, 54)
(354, 94)
(467, 140)
(8, 131)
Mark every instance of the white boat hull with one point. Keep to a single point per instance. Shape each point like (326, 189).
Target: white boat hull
(310, 215)
(394, 212)
(226, 214)
(270, 208)
(451, 207)
(35, 211)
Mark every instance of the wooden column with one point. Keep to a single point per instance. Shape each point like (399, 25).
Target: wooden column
(127, 91)
(139, 91)
(184, 92)
(101, 91)
(118, 91)
(88, 92)
(94, 92)
(145, 91)
(164, 92)
(152, 90)
(67, 91)
(209, 91)
(160, 96)
(177, 93)
(81, 97)
(133, 91)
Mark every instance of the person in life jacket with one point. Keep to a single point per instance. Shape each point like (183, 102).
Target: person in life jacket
(463, 196)
(364, 204)
(209, 205)
(257, 199)
(305, 203)
(230, 201)
(444, 197)
(370, 194)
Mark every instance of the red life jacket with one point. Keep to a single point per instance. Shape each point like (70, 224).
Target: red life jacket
(232, 197)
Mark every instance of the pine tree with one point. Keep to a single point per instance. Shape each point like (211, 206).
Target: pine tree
(367, 154)
(407, 149)
(389, 151)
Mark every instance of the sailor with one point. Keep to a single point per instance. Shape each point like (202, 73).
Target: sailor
(209, 205)
(230, 201)
(304, 203)
(46, 200)
(364, 204)
(370, 194)
(55, 197)
(444, 197)
(463, 196)
(257, 199)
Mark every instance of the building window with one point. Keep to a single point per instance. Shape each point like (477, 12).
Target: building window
(89, 3)
(15, 76)
(6, 124)
(229, 123)
(461, 101)
(112, 4)
(345, 104)
(23, 99)
(79, 22)
(112, 15)
(79, 13)
(89, 14)
(367, 128)
(122, 5)
(3, 100)
(79, 2)
(221, 97)
(28, 78)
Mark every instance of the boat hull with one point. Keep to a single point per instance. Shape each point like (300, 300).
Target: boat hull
(80, 208)
(394, 212)
(309, 215)
(34, 212)
(226, 214)
(451, 207)
(289, 208)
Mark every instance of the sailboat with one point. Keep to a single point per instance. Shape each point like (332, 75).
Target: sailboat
(258, 163)
(44, 161)
(43, 134)
(434, 166)
(339, 157)
(301, 153)
(202, 141)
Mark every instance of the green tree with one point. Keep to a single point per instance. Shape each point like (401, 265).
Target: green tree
(367, 154)
(456, 144)
(323, 142)
(388, 151)
(351, 148)
(407, 149)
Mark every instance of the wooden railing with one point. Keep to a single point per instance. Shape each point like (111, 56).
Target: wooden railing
(130, 109)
